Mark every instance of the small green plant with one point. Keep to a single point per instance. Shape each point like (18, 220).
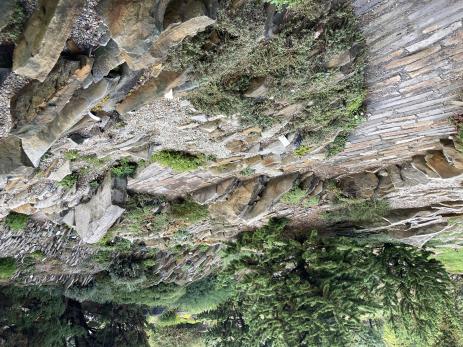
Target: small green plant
(94, 160)
(337, 146)
(7, 268)
(179, 161)
(16, 221)
(248, 171)
(124, 168)
(298, 196)
(72, 155)
(94, 184)
(301, 150)
(294, 196)
(189, 211)
(69, 181)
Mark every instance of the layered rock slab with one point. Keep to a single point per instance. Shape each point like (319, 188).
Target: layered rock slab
(44, 37)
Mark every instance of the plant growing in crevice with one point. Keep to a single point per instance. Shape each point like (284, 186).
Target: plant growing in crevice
(7, 267)
(16, 221)
(179, 161)
(124, 168)
(69, 181)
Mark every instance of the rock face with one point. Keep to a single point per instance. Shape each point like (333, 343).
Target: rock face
(37, 140)
(93, 219)
(44, 37)
(85, 115)
(133, 26)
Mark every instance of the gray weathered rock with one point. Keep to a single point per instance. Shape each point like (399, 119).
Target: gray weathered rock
(360, 185)
(93, 219)
(12, 155)
(44, 37)
(38, 138)
(106, 58)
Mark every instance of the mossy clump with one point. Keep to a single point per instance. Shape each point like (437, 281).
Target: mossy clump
(16, 221)
(69, 181)
(125, 168)
(301, 150)
(248, 171)
(189, 211)
(179, 161)
(298, 196)
(72, 154)
(7, 268)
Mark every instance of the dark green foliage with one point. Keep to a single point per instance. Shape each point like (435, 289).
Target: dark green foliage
(204, 295)
(44, 317)
(179, 161)
(321, 292)
(16, 221)
(109, 290)
(7, 268)
(124, 168)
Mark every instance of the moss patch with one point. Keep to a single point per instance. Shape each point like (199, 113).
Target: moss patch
(16, 221)
(7, 268)
(124, 168)
(179, 161)
(69, 181)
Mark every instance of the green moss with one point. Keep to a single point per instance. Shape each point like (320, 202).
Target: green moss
(337, 146)
(69, 181)
(124, 168)
(143, 220)
(301, 150)
(451, 258)
(94, 184)
(93, 160)
(189, 211)
(294, 196)
(179, 161)
(298, 196)
(248, 171)
(7, 268)
(72, 155)
(16, 221)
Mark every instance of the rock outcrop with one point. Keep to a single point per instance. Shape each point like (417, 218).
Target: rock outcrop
(44, 37)
(79, 161)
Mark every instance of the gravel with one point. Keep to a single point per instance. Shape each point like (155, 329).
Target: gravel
(89, 29)
(10, 87)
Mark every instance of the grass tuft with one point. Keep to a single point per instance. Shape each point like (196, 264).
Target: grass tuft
(179, 161)
(124, 168)
(16, 221)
